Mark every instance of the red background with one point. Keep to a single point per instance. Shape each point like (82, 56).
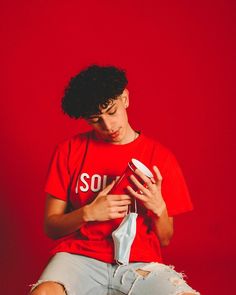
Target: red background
(180, 61)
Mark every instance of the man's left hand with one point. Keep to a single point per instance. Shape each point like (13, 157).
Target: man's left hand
(149, 192)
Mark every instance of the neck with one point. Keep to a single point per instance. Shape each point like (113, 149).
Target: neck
(131, 135)
(126, 136)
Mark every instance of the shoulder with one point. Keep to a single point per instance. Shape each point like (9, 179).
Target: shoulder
(73, 143)
(160, 155)
(158, 148)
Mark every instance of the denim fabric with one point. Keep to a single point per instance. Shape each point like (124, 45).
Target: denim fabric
(81, 275)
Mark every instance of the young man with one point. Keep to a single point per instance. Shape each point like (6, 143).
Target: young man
(81, 212)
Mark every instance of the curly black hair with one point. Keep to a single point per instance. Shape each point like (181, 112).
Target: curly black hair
(93, 88)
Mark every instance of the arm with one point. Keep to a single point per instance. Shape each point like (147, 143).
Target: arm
(58, 223)
(152, 199)
(163, 227)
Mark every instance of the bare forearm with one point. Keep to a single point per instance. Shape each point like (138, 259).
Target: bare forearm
(59, 225)
(104, 207)
(163, 227)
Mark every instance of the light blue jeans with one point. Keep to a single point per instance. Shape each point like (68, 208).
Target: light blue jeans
(81, 275)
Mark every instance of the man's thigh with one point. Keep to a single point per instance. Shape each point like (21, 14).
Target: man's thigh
(150, 278)
(78, 274)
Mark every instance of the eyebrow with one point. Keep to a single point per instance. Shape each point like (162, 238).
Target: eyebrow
(106, 111)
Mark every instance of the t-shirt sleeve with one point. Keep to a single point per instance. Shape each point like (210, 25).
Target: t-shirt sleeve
(58, 177)
(174, 188)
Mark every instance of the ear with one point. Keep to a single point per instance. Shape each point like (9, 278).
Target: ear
(125, 98)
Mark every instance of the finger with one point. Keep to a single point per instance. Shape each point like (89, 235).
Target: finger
(148, 182)
(120, 203)
(136, 195)
(119, 209)
(153, 180)
(118, 215)
(158, 173)
(118, 197)
(106, 190)
(145, 179)
(138, 184)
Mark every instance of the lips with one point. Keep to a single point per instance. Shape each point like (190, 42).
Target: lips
(114, 134)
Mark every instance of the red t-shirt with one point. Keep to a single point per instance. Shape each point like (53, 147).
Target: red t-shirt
(82, 166)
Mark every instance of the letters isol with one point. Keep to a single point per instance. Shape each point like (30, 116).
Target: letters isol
(95, 183)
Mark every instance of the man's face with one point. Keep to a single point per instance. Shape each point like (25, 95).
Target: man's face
(112, 124)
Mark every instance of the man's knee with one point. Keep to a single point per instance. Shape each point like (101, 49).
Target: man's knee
(49, 288)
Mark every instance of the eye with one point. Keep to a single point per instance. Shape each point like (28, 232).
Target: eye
(112, 112)
(93, 120)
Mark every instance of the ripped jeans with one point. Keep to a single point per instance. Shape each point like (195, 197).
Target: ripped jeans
(80, 275)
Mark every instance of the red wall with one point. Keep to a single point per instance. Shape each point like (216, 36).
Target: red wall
(180, 61)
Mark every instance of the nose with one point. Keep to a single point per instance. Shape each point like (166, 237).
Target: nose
(107, 124)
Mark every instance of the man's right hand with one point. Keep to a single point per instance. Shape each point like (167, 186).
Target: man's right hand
(106, 207)
(58, 223)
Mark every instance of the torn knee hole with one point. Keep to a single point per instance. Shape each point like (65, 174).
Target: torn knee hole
(176, 281)
(142, 272)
